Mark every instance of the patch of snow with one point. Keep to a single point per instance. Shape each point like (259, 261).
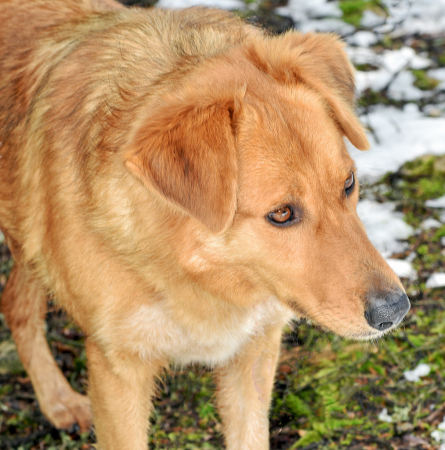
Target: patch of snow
(370, 19)
(363, 55)
(430, 223)
(384, 226)
(389, 63)
(439, 434)
(223, 4)
(402, 88)
(395, 60)
(327, 26)
(402, 268)
(434, 110)
(362, 39)
(437, 74)
(384, 416)
(422, 370)
(435, 280)
(315, 9)
(411, 257)
(419, 16)
(398, 136)
(436, 203)
(376, 80)
(420, 62)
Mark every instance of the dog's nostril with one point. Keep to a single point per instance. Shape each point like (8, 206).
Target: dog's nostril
(386, 309)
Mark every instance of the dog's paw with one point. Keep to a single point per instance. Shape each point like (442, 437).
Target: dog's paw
(67, 411)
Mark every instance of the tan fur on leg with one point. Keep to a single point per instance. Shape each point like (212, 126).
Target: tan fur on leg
(24, 307)
(121, 388)
(244, 388)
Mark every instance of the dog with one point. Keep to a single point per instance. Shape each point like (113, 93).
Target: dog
(178, 181)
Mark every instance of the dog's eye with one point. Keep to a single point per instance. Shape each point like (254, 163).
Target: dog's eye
(349, 184)
(282, 217)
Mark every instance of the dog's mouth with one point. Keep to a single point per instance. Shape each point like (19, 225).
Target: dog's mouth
(383, 315)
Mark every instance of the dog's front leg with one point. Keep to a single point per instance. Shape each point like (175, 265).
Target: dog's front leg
(244, 388)
(121, 389)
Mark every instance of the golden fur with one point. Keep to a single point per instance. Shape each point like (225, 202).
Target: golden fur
(141, 152)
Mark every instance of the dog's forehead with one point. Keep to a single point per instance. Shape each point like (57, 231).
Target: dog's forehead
(290, 138)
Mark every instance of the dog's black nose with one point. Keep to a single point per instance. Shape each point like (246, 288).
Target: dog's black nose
(384, 311)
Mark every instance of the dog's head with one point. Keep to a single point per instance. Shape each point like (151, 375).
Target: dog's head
(249, 148)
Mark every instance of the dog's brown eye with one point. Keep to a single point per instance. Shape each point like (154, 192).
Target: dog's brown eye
(349, 184)
(282, 217)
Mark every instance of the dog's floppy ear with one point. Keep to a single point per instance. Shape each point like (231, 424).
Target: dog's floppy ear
(187, 154)
(320, 62)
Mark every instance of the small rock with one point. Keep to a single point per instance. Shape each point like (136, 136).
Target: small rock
(413, 441)
(404, 427)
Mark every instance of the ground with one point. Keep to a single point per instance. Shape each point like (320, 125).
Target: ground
(330, 393)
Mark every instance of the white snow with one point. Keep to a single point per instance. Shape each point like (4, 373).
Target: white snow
(307, 15)
(402, 88)
(419, 16)
(315, 9)
(430, 223)
(376, 80)
(326, 26)
(370, 19)
(402, 268)
(223, 4)
(391, 69)
(437, 74)
(392, 61)
(422, 370)
(435, 280)
(384, 416)
(362, 39)
(384, 226)
(439, 434)
(398, 136)
(436, 203)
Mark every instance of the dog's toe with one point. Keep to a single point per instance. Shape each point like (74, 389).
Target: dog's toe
(69, 412)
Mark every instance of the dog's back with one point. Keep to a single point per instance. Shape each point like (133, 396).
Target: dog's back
(53, 64)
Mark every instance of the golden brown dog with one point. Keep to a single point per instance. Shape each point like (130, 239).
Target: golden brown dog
(179, 182)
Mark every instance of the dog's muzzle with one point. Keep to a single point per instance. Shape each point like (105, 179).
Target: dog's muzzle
(385, 310)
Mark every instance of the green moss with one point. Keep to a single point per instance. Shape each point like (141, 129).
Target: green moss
(353, 10)
(309, 438)
(297, 406)
(423, 81)
(441, 59)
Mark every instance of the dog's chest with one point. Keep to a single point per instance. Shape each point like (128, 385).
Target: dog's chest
(211, 336)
